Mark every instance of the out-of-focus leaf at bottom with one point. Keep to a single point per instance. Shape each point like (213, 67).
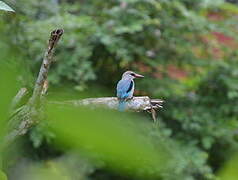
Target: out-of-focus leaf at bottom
(3, 175)
(229, 172)
(114, 138)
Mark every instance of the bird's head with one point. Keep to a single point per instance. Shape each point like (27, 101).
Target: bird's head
(131, 74)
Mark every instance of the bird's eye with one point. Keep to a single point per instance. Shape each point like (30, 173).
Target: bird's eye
(132, 74)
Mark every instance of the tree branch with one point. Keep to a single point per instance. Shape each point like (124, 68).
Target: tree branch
(142, 103)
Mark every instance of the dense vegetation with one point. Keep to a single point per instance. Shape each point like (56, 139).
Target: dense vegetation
(187, 49)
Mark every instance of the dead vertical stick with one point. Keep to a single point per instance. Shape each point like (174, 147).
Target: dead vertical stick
(42, 77)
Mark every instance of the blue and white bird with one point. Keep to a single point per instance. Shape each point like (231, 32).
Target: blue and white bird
(125, 88)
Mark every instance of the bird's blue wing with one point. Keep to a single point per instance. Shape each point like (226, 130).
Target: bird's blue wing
(124, 88)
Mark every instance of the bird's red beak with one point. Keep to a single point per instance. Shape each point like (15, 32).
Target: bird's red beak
(139, 76)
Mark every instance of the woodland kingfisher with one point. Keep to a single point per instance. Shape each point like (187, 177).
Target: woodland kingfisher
(125, 88)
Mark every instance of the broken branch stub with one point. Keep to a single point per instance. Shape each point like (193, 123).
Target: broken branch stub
(19, 96)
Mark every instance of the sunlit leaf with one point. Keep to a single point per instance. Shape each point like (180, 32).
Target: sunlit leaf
(5, 7)
(3, 175)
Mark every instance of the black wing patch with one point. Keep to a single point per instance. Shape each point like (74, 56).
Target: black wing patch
(130, 87)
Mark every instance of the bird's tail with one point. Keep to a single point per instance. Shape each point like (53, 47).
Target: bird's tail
(122, 105)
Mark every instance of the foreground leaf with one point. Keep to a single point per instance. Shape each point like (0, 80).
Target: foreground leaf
(115, 139)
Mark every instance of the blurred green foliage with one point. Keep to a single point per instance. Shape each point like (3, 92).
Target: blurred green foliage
(187, 49)
(8, 89)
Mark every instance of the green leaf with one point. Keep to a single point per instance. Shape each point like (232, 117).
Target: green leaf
(110, 137)
(229, 172)
(3, 175)
(5, 7)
